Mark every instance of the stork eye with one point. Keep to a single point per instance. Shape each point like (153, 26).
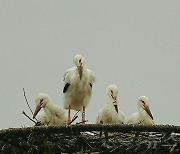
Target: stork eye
(79, 60)
(142, 101)
(41, 100)
(111, 92)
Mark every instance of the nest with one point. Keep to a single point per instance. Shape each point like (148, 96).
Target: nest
(91, 138)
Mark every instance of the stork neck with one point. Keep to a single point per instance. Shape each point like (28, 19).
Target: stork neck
(109, 100)
(142, 111)
(49, 108)
(84, 74)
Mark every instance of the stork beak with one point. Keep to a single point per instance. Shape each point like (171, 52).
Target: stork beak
(38, 108)
(146, 108)
(116, 107)
(80, 70)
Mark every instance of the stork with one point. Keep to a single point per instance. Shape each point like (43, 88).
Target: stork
(144, 115)
(52, 114)
(78, 82)
(110, 113)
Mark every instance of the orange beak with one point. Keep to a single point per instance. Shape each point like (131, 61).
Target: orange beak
(146, 108)
(38, 108)
(80, 70)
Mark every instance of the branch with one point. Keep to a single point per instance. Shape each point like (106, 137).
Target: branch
(28, 117)
(27, 101)
(74, 117)
(81, 122)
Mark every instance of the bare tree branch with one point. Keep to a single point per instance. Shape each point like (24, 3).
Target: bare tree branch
(74, 117)
(27, 101)
(81, 122)
(28, 117)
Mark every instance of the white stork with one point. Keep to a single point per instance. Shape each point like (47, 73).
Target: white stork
(52, 114)
(78, 82)
(144, 115)
(110, 113)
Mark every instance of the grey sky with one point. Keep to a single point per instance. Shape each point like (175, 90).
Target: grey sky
(133, 44)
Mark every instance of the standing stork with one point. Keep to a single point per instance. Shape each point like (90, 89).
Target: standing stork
(144, 115)
(110, 113)
(78, 82)
(52, 114)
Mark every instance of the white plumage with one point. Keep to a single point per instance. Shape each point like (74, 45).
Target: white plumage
(110, 113)
(52, 114)
(78, 83)
(144, 115)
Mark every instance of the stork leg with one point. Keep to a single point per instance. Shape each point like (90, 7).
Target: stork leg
(83, 115)
(69, 116)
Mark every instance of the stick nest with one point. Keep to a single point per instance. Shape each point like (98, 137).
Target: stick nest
(124, 139)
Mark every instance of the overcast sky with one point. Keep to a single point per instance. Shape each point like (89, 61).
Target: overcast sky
(133, 44)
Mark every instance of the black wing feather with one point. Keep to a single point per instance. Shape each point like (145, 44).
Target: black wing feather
(66, 87)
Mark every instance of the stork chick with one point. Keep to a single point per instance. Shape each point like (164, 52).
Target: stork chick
(144, 115)
(110, 113)
(52, 114)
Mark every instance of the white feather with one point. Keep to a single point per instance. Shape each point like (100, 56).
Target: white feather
(141, 117)
(79, 92)
(108, 114)
(51, 114)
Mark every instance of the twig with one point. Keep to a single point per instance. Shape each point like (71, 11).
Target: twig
(87, 143)
(106, 134)
(136, 136)
(81, 122)
(27, 101)
(74, 117)
(28, 117)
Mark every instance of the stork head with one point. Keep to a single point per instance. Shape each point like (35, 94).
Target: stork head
(112, 94)
(80, 63)
(143, 103)
(42, 100)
